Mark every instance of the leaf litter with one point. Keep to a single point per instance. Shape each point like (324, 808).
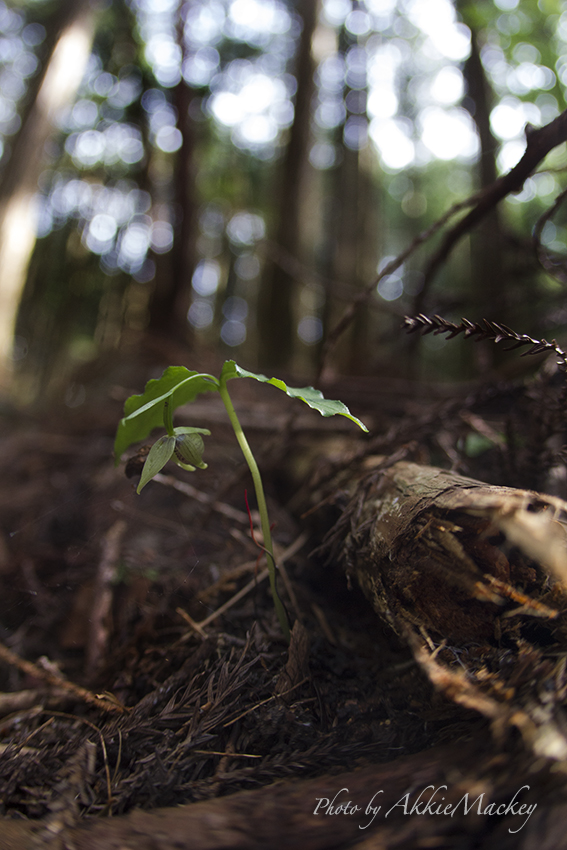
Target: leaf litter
(112, 591)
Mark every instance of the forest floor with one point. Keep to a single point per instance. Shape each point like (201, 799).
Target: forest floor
(142, 665)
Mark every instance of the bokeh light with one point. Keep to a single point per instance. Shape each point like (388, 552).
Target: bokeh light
(393, 90)
(310, 330)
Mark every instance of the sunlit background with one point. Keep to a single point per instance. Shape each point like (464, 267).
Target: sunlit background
(389, 88)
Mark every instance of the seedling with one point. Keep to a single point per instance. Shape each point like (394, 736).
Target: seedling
(178, 386)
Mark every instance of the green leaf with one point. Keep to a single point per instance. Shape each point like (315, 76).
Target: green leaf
(314, 398)
(143, 413)
(159, 454)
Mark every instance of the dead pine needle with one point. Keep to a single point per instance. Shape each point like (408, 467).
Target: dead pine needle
(285, 556)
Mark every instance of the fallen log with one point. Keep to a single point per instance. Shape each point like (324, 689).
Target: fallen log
(474, 578)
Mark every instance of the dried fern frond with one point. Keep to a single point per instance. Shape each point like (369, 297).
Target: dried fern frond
(488, 330)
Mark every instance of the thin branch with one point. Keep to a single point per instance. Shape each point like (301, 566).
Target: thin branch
(488, 330)
(305, 274)
(539, 143)
(365, 295)
(49, 674)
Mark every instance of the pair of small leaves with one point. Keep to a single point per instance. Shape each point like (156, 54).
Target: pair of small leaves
(178, 385)
(187, 446)
(143, 413)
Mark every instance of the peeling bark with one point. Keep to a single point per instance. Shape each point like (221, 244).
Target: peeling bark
(474, 578)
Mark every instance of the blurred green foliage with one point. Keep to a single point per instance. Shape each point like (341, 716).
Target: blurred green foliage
(184, 115)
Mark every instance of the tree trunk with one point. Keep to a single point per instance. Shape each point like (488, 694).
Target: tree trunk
(63, 74)
(488, 289)
(275, 308)
(172, 296)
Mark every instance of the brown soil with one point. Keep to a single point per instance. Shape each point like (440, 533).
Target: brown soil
(138, 695)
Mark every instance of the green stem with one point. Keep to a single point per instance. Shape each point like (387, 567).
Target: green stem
(261, 499)
(168, 418)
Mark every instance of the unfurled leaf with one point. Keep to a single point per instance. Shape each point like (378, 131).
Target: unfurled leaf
(159, 454)
(143, 413)
(312, 397)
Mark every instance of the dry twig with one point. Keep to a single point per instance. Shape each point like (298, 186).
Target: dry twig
(53, 677)
(102, 603)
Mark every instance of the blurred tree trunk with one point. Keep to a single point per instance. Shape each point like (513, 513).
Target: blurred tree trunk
(351, 245)
(70, 37)
(172, 295)
(345, 247)
(275, 308)
(487, 243)
(357, 247)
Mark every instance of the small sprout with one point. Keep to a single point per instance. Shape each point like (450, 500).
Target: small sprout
(187, 446)
(177, 386)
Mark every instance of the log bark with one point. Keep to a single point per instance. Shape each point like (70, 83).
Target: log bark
(474, 578)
